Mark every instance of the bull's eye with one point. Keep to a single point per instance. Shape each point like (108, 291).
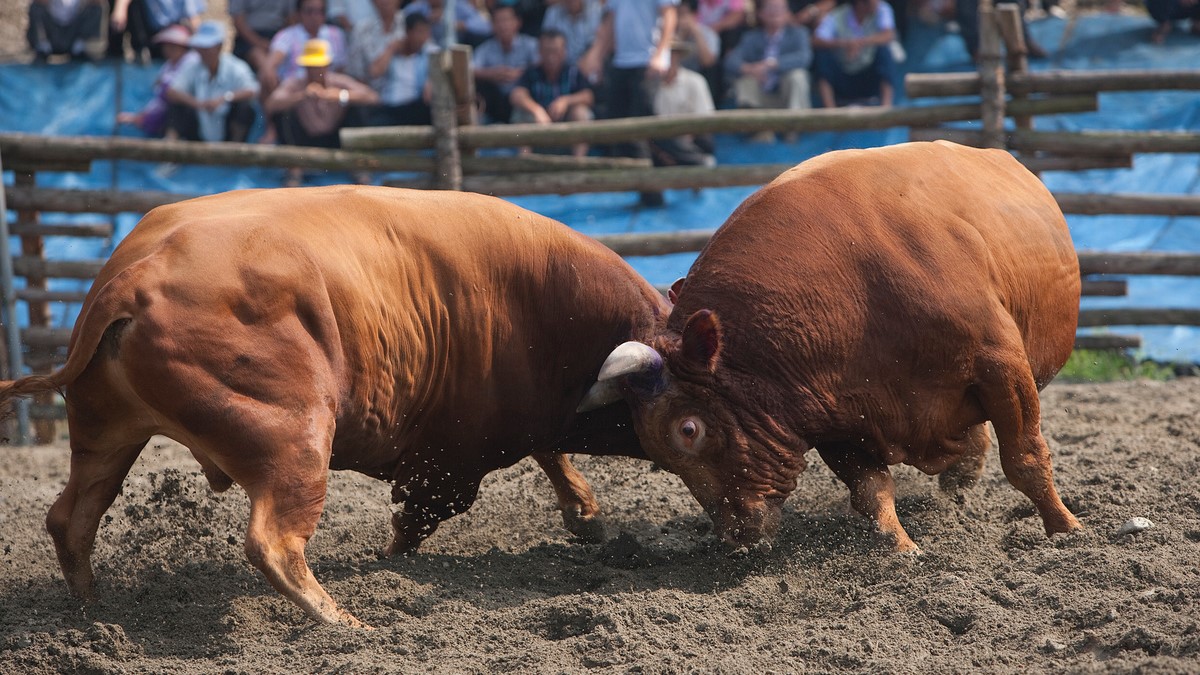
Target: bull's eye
(689, 432)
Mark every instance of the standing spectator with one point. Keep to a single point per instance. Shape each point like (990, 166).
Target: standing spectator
(554, 90)
(152, 118)
(578, 21)
(374, 42)
(62, 27)
(255, 23)
(703, 47)
(310, 108)
(726, 17)
(210, 97)
(683, 92)
(500, 61)
(348, 14)
(143, 19)
(854, 60)
(1166, 12)
(770, 65)
(404, 95)
(628, 32)
(470, 27)
(966, 13)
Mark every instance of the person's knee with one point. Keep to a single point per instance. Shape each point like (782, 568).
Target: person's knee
(748, 92)
(580, 113)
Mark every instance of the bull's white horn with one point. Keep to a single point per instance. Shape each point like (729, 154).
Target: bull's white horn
(629, 358)
(600, 395)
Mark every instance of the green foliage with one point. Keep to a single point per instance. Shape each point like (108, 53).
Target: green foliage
(1090, 365)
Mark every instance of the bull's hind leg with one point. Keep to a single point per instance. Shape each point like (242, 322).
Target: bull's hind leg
(964, 474)
(97, 473)
(1009, 397)
(872, 492)
(580, 512)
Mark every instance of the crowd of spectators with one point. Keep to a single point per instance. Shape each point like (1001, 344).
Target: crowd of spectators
(309, 67)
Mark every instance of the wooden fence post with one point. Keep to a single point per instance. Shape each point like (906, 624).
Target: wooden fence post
(445, 123)
(1008, 17)
(991, 77)
(32, 245)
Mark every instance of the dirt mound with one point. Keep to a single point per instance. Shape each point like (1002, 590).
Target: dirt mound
(505, 588)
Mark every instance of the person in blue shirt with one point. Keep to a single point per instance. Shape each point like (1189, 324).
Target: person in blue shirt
(554, 90)
(210, 99)
(500, 61)
(853, 59)
(143, 19)
(470, 27)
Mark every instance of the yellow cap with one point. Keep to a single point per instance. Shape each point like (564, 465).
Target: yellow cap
(315, 54)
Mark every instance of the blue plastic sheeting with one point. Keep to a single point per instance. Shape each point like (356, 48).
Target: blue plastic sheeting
(79, 99)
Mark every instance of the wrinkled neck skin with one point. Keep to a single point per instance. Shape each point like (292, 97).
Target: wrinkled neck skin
(757, 458)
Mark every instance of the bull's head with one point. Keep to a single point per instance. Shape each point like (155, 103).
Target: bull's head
(738, 464)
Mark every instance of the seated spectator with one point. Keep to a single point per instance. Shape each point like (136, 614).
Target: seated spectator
(405, 93)
(683, 92)
(1166, 12)
(854, 59)
(374, 42)
(210, 99)
(143, 19)
(727, 18)
(152, 118)
(348, 14)
(769, 67)
(255, 23)
(309, 109)
(63, 27)
(554, 90)
(698, 46)
(578, 21)
(966, 13)
(471, 27)
(500, 61)
(288, 44)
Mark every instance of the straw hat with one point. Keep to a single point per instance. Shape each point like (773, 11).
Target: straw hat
(209, 34)
(315, 54)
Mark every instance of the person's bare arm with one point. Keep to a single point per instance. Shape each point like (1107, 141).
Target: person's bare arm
(248, 34)
(283, 98)
(661, 59)
(120, 15)
(380, 63)
(521, 100)
(592, 61)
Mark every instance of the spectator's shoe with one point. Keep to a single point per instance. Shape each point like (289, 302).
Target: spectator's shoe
(651, 199)
(166, 169)
(40, 58)
(294, 178)
(1036, 51)
(710, 161)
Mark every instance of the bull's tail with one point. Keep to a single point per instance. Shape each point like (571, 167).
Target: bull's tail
(107, 305)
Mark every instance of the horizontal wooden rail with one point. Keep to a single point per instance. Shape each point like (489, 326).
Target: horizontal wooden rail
(101, 230)
(1138, 316)
(656, 243)
(575, 182)
(1107, 341)
(1087, 143)
(40, 336)
(1170, 264)
(1129, 204)
(60, 200)
(42, 295)
(32, 148)
(1040, 164)
(36, 266)
(1105, 287)
(918, 85)
(721, 121)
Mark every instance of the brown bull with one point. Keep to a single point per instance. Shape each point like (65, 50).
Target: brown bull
(418, 337)
(879, 306)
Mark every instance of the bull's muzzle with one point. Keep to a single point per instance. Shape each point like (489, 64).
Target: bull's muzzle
(748, 527)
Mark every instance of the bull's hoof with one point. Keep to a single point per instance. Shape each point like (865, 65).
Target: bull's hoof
(589, 529)
(399, 547)
(1067, 525)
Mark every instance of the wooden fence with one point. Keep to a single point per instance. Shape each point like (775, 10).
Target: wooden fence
(443, 155)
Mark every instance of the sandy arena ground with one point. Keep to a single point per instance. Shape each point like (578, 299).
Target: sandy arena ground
(504, 588)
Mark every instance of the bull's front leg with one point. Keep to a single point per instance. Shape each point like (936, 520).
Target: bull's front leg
(872, 492)
(429, 498)
(580, 511)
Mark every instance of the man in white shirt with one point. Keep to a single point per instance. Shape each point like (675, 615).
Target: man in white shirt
(683, 92)
(211, 98)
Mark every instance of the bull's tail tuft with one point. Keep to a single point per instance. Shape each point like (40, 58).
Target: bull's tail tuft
(26, 386)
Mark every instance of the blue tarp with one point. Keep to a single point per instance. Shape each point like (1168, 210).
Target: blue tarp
(79, 99)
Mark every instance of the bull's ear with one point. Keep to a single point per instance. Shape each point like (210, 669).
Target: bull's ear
(702, 339)
(673, 291)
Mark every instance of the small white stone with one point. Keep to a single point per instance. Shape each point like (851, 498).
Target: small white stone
(1135, 525)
